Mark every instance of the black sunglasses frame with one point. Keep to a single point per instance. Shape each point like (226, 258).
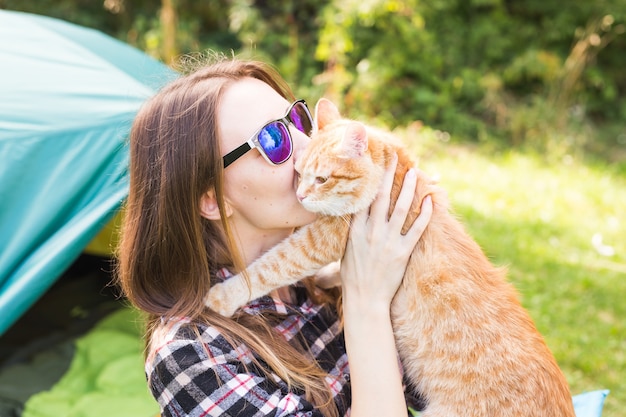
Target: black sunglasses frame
(253, 142)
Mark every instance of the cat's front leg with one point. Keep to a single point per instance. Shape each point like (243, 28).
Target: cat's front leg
(300, 255)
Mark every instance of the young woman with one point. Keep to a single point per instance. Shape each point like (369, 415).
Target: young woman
(201, 207)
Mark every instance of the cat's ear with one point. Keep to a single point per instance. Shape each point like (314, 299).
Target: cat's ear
(354, 143)
(209, 208)
(325, 113)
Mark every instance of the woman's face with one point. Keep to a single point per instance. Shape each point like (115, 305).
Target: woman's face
(262, 196)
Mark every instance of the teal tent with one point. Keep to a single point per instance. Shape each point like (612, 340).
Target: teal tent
(68, 95)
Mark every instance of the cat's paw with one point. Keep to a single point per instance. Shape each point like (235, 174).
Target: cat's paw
(221, 300)
(329, 276)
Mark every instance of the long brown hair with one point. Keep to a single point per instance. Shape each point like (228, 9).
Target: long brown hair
(168, 252)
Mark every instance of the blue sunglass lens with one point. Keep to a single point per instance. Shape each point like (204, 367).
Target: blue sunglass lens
(299, 116)
(275, 140)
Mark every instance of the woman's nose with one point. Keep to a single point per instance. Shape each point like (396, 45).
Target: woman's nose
(300, 142)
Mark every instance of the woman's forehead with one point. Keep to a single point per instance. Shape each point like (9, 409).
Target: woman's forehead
(250, 95)
(245, 106)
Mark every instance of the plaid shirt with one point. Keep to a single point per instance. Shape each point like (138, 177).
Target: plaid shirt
(210, 377)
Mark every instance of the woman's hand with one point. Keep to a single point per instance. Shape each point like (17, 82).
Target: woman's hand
(377, 253)
(371, 271)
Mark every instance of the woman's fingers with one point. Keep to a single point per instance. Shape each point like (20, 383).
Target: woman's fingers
(373, 237)
(358, 226)
(405, 200)
(416, 230)
(373, 224)
(380, 206)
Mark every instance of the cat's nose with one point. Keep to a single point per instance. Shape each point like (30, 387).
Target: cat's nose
(300, 197)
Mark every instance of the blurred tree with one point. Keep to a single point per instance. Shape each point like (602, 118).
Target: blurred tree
(169, 18)
(476, 68)
(285, 32)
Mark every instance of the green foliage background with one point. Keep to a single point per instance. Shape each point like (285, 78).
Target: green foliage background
(540, 74)
(535, 88)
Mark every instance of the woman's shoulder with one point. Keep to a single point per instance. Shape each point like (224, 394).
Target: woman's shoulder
(181, 336)
(180, 339)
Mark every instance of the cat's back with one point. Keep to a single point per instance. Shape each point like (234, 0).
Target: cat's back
(464, 337)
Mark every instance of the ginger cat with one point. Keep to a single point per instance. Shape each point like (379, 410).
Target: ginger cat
(466, 344)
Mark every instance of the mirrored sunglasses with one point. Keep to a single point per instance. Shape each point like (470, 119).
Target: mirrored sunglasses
(274, 140)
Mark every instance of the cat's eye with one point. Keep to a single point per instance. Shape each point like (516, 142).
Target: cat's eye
(321, 180)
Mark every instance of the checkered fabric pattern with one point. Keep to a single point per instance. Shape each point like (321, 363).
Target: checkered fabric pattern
(210, 377)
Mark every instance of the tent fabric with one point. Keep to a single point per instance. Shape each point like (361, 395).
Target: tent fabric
(590, 404)
(68, 97)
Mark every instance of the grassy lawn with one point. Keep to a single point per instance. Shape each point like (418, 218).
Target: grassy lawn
(560, 228)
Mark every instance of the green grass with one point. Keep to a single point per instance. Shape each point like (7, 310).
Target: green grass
(539, 220)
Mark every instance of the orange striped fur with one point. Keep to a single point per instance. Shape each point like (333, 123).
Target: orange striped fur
(467, 345)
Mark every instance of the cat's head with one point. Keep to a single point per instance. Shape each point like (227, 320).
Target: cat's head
(337, 173)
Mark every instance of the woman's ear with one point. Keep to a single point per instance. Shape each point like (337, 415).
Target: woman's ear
(209, 208)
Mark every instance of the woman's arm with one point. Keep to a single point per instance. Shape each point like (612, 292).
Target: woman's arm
(371, 271)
